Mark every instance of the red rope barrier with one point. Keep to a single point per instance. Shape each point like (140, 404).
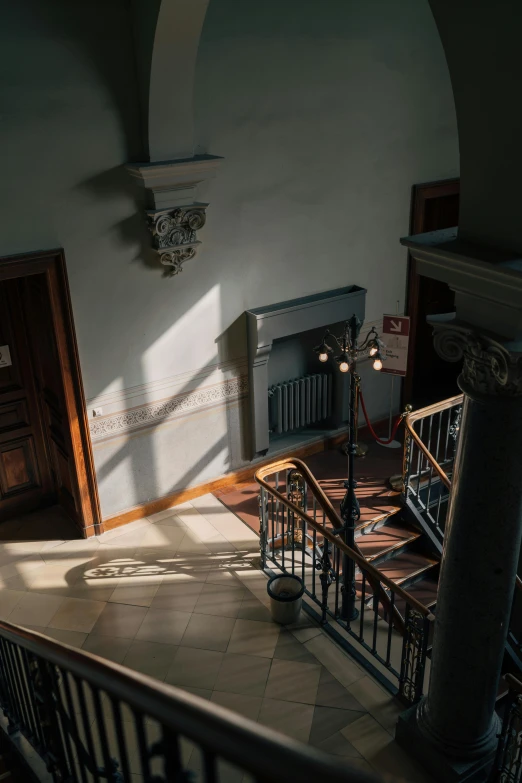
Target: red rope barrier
(372, 431)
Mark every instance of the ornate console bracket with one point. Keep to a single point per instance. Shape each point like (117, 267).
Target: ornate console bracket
(175, 217)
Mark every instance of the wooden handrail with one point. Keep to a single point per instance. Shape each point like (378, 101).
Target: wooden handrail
(224, 733)
(422, 413)
(513, 683)
(374, 575)
(437, 407)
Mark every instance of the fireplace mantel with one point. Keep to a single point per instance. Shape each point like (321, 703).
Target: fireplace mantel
(266, 324)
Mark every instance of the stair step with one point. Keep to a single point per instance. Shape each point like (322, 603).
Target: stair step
(424, 591)
(378, 520)
(385, 540)
(407, 566)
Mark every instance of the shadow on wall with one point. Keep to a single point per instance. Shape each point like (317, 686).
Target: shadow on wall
(131, 232)
(88, 31)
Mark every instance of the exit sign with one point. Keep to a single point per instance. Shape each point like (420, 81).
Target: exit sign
(395, 336)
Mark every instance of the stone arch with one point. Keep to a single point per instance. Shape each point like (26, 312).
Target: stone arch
(167, 34)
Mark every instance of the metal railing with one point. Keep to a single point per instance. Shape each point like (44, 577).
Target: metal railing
(300, 535)
(508, 761)
(430, 445)
(93, 720)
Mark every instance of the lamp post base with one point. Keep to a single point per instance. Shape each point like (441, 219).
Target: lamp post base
(361, 449)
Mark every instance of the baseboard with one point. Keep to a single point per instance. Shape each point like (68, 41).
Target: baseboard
(235, 477)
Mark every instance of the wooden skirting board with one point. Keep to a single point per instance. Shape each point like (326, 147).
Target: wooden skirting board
(235, 477)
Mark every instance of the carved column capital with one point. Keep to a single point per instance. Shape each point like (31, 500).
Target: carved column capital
(489, 368)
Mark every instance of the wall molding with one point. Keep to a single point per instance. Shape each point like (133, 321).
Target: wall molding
(152, 404)
(159, 412)
(234, 477)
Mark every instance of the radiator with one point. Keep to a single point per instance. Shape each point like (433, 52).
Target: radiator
(300, 403)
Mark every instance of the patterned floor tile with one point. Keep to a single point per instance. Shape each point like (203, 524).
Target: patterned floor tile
(330, 720)
(245, 674)
(293, 681)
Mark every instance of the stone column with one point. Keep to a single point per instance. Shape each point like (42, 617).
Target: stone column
(454, 728)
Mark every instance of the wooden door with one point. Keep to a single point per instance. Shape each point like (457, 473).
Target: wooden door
(429, 379)
(50, 391)
(25, 477)
(46, 328)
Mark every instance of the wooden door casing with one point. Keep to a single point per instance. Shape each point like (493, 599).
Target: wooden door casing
(50, 391)
(429, 379)
(79, 467)
(25, 477)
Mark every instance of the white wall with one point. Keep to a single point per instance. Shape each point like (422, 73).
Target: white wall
(326, 114)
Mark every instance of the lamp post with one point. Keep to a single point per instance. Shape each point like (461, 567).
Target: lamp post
(350, 511)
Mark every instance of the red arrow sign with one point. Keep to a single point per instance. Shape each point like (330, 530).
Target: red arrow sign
(395, 336)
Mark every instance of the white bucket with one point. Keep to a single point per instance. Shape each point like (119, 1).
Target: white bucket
(286, 598)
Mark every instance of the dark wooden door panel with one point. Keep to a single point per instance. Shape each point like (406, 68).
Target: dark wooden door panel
(25, 475)
(18, 466)
(13, 415)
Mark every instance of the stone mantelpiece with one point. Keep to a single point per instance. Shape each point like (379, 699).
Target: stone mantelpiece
(268, 324)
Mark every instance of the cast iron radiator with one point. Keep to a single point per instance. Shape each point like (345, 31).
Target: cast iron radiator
(300, 402)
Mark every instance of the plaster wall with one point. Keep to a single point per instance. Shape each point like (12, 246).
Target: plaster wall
(326, 115)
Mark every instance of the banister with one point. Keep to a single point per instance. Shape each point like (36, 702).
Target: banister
(436, 407)
(408, 421)
(374, 574)
(513, 683)
(234, 738)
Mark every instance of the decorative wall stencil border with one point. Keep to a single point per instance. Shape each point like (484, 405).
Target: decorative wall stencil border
(156, 391)
(157, 413)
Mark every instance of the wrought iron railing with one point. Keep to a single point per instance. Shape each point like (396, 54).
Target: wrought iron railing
(91, 720)
(430, 445)
(508, 762)
(300, 536)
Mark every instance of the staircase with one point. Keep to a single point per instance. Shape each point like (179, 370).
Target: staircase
(406, 544)
(402, 553)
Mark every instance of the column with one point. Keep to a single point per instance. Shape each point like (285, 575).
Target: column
(455, 724)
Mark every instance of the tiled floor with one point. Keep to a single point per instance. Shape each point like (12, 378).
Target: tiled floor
(178, 596)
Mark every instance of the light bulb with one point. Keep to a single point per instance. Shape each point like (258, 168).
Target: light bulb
(373, 350)
(377, 365)
(344, 367)
(323, 357)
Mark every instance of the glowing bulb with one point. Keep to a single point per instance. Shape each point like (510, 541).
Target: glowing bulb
(377, 365)
(373, 350)
(344, 367)
(323, 357)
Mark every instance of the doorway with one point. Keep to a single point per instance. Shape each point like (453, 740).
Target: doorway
(429, 379)
(45, 449)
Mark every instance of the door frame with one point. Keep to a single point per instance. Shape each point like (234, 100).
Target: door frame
(52, 264)
(420, 194)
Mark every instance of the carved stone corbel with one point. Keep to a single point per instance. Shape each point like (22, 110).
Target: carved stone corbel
(176, 216)
(174, 233)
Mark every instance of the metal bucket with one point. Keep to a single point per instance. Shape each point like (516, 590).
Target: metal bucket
(286, 598)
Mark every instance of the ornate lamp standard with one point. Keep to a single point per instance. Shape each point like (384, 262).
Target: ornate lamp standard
(350, 511)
